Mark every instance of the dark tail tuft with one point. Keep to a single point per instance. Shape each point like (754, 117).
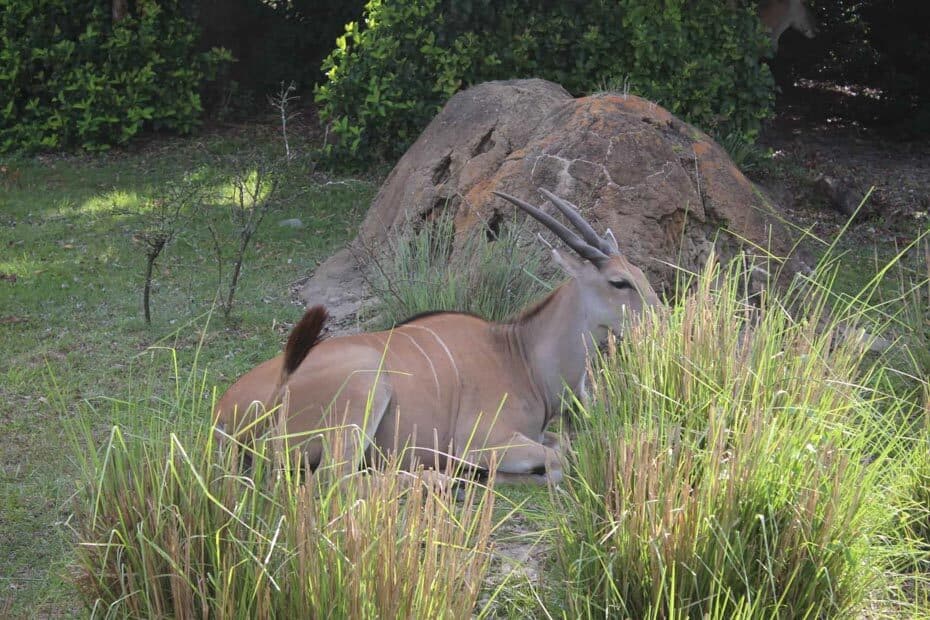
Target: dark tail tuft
(304, 336)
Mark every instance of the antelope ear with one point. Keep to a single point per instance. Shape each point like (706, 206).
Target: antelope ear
(569, 264)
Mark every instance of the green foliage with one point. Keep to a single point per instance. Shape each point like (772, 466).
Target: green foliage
(737, 470)
(748, 155)
(386, 79)
(71, 77)
(424, 271)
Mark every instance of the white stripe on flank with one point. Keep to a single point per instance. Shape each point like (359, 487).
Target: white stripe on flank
(443, 344)
(429, 361)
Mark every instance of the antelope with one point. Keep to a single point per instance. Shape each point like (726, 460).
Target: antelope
(450, 385)
(780, 15)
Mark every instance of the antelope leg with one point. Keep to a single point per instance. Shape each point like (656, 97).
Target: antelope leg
(521, 460)
(552, 440)
(348, 425)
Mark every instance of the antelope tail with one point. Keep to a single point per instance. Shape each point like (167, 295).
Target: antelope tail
(305, 335)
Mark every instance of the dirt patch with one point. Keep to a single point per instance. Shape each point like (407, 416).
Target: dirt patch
(817, 132)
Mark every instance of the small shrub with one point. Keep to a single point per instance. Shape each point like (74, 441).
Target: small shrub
(168, 525)
(161, 219)
(423, 271)
(728, 465)
(252, 193)
(386, 79)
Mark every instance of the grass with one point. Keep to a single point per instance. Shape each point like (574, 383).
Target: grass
(741, 469)
(72, 329)
(170, 525)
(491, 273)
(777, 473)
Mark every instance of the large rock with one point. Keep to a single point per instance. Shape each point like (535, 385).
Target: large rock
(667, 190)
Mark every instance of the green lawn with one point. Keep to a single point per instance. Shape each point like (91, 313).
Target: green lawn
(71, 323)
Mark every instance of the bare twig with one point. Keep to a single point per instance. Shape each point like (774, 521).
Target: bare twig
(281, 103)
(161, 223)
(255, 183)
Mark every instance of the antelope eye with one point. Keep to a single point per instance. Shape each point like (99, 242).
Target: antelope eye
(621, 284)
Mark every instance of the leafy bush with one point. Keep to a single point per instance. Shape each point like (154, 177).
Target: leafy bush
(423, 271)
(737, 470)
(387, 79)
(72, 77)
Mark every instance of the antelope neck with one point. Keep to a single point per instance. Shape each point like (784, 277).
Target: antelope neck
(554, 345)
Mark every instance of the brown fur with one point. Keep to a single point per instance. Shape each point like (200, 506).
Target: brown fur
(528, 314)
(305, 335)
(445, 388)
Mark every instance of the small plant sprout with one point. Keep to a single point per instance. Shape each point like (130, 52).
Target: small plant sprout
(253, 191)
(281, 102)
(161, 218)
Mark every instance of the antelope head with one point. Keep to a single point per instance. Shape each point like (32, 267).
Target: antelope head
(609, 288)
(780, 15)
(803, 19)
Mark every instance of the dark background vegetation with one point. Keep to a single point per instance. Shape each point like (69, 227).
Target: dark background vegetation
(272, 41)
(870, 64)
(72, 75)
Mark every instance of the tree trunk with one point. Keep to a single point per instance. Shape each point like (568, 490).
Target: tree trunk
(148, 287)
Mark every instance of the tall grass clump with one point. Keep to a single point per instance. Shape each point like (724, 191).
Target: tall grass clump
(729, 464)
(490, 272)
(170, 525)
(915, 493)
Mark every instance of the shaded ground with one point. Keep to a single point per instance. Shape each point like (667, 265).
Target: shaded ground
(825, 129)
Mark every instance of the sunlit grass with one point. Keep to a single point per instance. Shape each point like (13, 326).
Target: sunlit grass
(21, 266)
(168, 523)
(735, 461)
(113, 202)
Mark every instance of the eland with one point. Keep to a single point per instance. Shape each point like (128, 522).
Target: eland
(450, 387)
(780, 15)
